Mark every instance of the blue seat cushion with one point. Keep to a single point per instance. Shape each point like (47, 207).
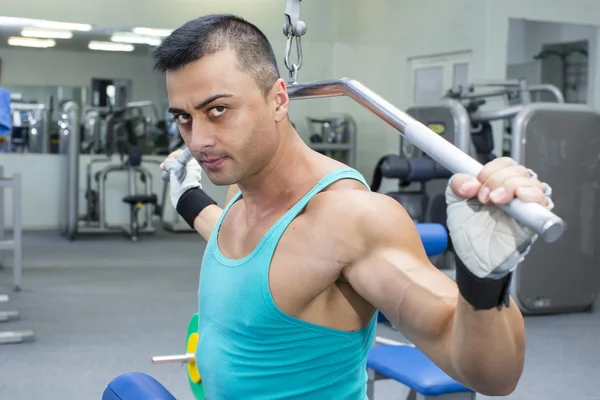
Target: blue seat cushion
(434, 238)
(411, 367)
(136, 386)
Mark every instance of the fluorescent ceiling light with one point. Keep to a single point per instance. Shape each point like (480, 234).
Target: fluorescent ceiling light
(109, 46)
(30, 42)
(46, 34)
(42, 23)
(152, 32)
(125, 37)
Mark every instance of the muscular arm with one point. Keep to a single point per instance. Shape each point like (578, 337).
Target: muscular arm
(206, 221)
(482, 349)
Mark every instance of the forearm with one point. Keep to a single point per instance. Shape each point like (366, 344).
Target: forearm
(487, 347)
(206, 221)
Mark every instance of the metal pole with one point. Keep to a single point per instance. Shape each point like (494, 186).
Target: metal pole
(180, 358)
(1, 208)
(554, 91)
(536, 217)
(525, 94)
(17, 231)
(71, 109)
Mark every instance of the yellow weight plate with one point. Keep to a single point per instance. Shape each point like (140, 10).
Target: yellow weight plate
(193, 372)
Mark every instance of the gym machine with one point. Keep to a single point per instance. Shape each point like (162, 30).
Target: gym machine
(30, 128)
(121, 139)
(560, 142)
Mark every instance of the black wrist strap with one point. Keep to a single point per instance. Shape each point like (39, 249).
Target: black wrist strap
(482, 293)
(191, 203)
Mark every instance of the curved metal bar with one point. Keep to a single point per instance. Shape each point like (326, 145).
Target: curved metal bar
(533, 215)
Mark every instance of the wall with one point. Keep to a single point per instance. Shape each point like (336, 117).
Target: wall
(267, 14)
(373, 45)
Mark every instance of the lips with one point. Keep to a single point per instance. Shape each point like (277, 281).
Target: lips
(212, 162)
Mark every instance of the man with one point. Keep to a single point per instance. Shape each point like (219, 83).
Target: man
(304, 254)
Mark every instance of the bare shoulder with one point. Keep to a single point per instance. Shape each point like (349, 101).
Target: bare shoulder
(363, 218)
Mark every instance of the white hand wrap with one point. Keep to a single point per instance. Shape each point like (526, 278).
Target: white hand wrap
(183, 177)
(490, 243)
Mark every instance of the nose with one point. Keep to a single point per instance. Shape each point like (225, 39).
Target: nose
(201, 138)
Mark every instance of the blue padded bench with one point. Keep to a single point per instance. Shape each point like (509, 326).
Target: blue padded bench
(434, 238)
(136, 386)
(411, 367)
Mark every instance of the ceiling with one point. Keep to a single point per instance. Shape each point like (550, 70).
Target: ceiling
(79, 41)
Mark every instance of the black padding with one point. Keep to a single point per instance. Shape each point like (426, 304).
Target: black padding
(483, 141)
(415, 203)
(421, 169)
(424, 169)
(377, 173)
(438, 214)
(141, 198)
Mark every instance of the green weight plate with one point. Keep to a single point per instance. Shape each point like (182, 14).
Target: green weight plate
(197, 388)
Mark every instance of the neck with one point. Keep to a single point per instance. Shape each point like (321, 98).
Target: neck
(280, 181)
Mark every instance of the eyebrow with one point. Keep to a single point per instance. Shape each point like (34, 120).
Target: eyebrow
(202, 104)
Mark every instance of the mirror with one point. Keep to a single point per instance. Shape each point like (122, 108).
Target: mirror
(102, 69)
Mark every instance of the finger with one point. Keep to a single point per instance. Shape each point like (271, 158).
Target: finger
(465, 186)
(173, 154)
(507, 190)
(532, 195)
(499, 177)
(494, 166)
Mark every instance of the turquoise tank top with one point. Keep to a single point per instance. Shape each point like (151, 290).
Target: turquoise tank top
(249, 349)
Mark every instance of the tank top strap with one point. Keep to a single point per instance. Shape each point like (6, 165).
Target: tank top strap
(215, 231)
(327, 180)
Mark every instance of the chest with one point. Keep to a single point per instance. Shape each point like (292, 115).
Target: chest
(297, 260)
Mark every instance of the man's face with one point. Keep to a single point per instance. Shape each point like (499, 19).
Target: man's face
(224, 118)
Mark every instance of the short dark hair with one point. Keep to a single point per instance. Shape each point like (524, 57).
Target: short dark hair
(211, 33)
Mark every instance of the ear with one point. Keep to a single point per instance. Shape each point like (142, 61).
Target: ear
(281, 100)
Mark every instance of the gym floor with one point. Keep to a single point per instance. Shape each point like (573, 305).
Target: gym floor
(102, 306)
